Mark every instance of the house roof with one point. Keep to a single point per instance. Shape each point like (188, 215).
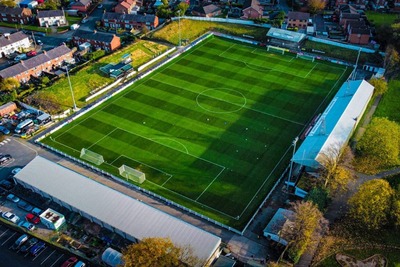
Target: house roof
(286, 35)
(348, 9)
(49, 13)
(336, 124)
(280, 221)
(33, 62)
(255, 4)
(224, 261)
(350, 16)
(81, 3)
(298, 15)
(13, 38)
(96, 36)
(208, 9)
(126, 214)
(360, 30)
(11, 10)
(124, 4)
(129, 17)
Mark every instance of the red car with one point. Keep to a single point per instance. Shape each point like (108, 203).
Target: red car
(31, 53)
(70, 262)
(32, 218)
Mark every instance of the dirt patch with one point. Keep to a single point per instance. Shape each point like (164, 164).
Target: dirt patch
(138, 54)
(376, 260)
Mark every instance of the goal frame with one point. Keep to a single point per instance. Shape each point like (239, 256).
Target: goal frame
(91, 156)
(132, 174)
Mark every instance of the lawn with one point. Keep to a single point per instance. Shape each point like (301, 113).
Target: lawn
(389, 105)
(211, 130)
(191, 29)
(381, 19)
(90, 77)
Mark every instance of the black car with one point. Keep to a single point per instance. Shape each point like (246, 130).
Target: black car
(28, 244)
(6, 184)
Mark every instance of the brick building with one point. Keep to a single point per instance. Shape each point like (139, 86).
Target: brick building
(105, 41)
(81, 5)
(358, 32)
(129, 21)
(297, 19)
(34, 66)
(207, 11)
(48, 18)
(252, 10)
(15, 15)
(125, 7)
(9, 43)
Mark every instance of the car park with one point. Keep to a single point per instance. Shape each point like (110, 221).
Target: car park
(70, 262)
(37, 248)
(19, 242)
(32, 218)
(25, 206)
(9, 216)
(27, 225)
(36, 211)
(30, 243)
(4, 130)
(7, 184)
(13, 198)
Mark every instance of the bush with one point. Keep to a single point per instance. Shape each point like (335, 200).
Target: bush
(319, 196)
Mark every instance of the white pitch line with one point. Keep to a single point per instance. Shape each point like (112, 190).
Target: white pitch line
(220, 55)
(167, 180)
(102, 138)
(210, 184)
(64, 145)
(310, 70)
(166, 173)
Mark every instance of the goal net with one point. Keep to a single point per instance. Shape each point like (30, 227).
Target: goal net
(306, 57)
(132, 174)
(276, 49)
(91, 156)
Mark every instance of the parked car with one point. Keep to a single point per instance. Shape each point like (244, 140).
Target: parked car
(28, 244)
(36, 249)
(4, 159)
(85, 20)
(13, 198)
(3, 192)
(32, 218)
(70, 262)
(7, 185)
(9, 216)
(19, 242)
(27, 225)
(36, 211)
(4, 130)
(80, 264)
(39, 42)
(25, 206)
(15, 171)
(31, 53)
(100, 6)
(20, 57)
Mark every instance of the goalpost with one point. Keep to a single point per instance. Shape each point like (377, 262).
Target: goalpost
(276, 49)
(306, 57)
(132, 174)
(91, 156)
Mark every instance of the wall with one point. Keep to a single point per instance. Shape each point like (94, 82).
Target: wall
(233, 21)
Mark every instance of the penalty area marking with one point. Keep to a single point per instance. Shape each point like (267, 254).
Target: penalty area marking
(172, 139)
(210, 184)
(103, 137)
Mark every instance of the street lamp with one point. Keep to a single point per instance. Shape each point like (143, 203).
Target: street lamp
(70, 87)
(179, 26)
(291, 161)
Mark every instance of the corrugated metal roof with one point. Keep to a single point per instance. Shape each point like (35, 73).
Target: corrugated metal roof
(286, 35)
(336, 124)
(122, 212)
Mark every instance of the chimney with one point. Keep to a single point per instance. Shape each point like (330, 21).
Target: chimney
(94, 31)
(44, 52)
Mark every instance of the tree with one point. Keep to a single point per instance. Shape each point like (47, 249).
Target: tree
(392, 60)
(379, 146)
(372, 203)
(9, 84)
(8, 3)
(307, 220)
(181, 9)
(380, 85)
(160, 252)
(314, 6)
(395, 213)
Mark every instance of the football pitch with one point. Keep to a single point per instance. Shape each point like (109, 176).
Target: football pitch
(212, 130)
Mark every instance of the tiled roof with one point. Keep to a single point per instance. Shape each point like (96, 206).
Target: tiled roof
(49, 13)
(81, 3)
(96, 36)
(298, 15)
(13, 38)
(34, 61)
(128, 17)
(255, 4)
(10, 10)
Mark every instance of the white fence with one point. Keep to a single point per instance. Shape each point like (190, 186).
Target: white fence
(105, 89)
(347, 46)
(156, 59)
(232, 21)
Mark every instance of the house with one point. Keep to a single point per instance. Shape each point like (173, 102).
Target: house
(105, 41)
(348, 13)
(34, 66)
(15, 15)
(125, 7)
(129, 21)
(280, 226)
(9, 43)
(7, 108)
(47, 18)
(297, 20)
(207, 11)
(358, 32)
(396, 5)
(81, 5)
(252, 10)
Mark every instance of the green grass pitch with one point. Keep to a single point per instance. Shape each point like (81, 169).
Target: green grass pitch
(212, 130)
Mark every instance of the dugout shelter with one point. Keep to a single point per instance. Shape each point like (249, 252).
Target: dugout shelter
(113, 210)
(335, 125)
(284, 38)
